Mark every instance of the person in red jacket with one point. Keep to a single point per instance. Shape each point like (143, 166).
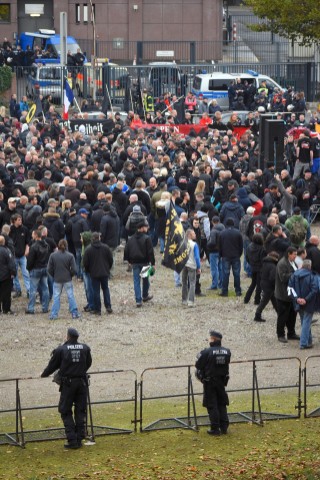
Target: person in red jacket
(190, 102)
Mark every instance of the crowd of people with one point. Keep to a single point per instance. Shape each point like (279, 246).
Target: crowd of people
(14, 56)
(68, 199)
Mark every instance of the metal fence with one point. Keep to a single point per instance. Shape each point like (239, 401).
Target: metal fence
(181, 396)
(252, 48)
(121, 85)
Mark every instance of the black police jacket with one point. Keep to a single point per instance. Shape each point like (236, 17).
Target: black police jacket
(213, 361)
(73, 359)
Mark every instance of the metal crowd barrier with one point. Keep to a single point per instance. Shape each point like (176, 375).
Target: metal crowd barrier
(238, 369)
(14, 432)
(182, 395)
(310, 383)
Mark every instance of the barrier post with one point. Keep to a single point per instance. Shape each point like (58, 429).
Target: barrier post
(255, 390)
(19, 417)
(90, 410)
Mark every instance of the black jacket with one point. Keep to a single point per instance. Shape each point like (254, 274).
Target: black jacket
(313, 254)
(214, 361)
(139, 249)
(73, 359)
(109, 228)
(268, 274)
(54, 225)
(120, 200)
(255, 255)
(79, 226)
(231, 243)
(98, 260)
(7, 264)
(38, 255)
(20, 237)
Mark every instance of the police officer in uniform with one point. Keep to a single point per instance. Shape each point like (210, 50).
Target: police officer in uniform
(148, 102)
(72, 359)
(212, 369)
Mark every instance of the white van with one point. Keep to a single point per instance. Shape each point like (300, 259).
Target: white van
(215, 85)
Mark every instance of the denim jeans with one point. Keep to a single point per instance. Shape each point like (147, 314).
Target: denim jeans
(96, 283)
(39, 281)
(161, 244)
(177, 279)
(22, 263)
(88, 289)
(305, 335)
(57, 290)
(50, 286)
(136, 269)
(246, 265)
(306, 215)
(215, 269)
(78, 263)
(227, 264)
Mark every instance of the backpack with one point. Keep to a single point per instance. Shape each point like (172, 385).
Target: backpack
(298, 232)
(257, 226)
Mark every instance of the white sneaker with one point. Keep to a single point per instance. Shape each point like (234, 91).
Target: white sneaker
(184, 302)
(191, 304)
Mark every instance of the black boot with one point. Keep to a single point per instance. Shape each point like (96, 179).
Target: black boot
(258, 318)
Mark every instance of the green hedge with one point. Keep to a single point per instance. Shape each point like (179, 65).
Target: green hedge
(5, 78)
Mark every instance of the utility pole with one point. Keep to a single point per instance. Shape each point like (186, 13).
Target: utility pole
(94, 55)
(63, 49)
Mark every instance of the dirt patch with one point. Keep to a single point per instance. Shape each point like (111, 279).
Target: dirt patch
(161, 333)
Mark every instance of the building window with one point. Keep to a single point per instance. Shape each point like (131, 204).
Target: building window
(5, 13)
(78, 13)
(88, 12)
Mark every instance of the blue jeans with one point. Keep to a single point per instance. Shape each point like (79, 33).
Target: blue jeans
(161, 244)
(227, 264)
(96, 283)
(306, 215)
(246, 265)
(136, 270)
(39, 281)
(50, 286)
(57, 290)
(88, 289)
(215, 269)
(177, 279)
(22, 262)
(78, 262)
(305, 335)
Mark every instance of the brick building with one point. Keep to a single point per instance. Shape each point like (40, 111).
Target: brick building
(121, 22)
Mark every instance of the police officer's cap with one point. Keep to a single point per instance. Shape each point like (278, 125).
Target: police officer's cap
(215, 334)
(72, 332)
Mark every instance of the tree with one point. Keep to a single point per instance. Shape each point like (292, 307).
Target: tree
(298, 20)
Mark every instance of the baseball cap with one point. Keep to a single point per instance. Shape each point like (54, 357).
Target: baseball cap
(84, 210)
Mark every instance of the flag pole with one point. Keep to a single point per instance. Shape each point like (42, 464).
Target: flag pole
(110, 100)
(74, 98)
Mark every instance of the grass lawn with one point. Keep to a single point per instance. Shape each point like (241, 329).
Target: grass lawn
(286, 449)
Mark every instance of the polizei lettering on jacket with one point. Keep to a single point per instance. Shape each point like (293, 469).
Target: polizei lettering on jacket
(75, 347)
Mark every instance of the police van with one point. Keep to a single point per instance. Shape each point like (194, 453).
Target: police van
(45, 80)
(215, 85)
